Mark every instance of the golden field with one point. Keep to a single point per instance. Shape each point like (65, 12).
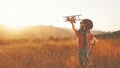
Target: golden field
(56, 53)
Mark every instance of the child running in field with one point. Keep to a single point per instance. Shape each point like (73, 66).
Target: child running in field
(85, 40)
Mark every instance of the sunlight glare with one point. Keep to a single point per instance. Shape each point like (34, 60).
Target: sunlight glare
(14, 25)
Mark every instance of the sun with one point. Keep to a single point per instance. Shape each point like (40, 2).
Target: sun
(14, 27)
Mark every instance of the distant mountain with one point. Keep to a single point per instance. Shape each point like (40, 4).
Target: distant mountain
(115, 34)
(37, 32)
(41, 32)
(96, 32)
(44, 32)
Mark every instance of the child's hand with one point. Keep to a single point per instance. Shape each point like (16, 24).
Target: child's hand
(72, 19)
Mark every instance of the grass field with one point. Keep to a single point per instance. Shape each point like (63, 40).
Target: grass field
(60, 53)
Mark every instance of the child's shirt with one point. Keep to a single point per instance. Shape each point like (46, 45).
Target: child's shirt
(90, 39)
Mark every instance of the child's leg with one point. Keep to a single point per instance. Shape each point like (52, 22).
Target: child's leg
(82, 55)
(88, 57)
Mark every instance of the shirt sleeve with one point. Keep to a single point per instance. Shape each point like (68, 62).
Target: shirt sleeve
(78, 34)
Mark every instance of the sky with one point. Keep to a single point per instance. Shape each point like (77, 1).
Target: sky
(105, 14)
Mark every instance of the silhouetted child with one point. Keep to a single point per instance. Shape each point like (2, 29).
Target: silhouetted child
(85, 40)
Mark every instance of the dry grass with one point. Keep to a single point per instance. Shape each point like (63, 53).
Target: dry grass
(57, 54)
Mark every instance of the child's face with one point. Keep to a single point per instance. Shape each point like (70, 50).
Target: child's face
(81, 26)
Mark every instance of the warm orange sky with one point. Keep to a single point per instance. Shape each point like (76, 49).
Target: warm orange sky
(21, 13)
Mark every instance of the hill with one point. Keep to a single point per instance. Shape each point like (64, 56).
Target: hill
(36, 32)
(96, 32)
(115, 34)
(43, 32)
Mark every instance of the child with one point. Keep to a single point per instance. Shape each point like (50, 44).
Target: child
(85, 40)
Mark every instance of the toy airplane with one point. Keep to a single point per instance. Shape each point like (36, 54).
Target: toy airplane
(75, 16)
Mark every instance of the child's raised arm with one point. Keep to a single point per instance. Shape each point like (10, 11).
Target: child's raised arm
(72, 22)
